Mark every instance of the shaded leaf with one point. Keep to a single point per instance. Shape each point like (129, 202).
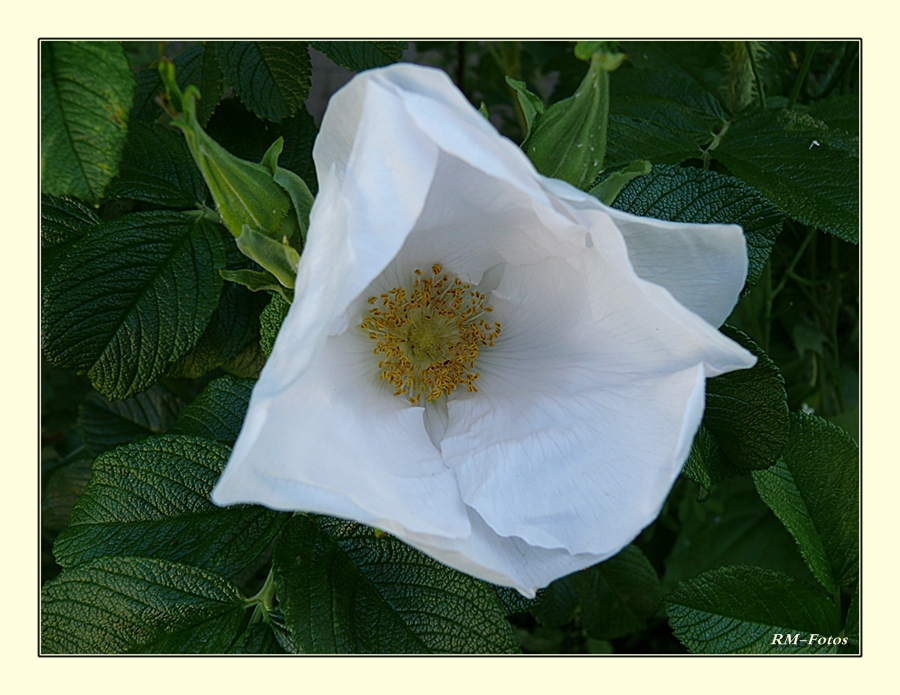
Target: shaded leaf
(270, 322)
(63, 222)
(361, 55)
(809, 171)
(740, 610)
(157, 168)
(197, 64)
(271, 77)
(218, 412)
(344, 590)
(258, 639)
(814, 490)
(838, 111)
(747, 411)
(151, 499)
(117, 605)
(620, 595)
(132, 297)
(105, 424)
(731, 526)
(86, 93)
(682, 194)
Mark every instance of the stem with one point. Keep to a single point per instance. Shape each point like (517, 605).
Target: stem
(263, 600)
(793, 264)
(756, 75)
(770, 297)
(804, 71)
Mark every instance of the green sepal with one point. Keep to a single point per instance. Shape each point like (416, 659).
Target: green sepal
(290, 182)
(278, 257)
(531, 103)
(257, 281)
(608, 190)
(245, 193)
(568, 140)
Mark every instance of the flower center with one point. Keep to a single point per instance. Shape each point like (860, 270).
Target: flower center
(429, 338)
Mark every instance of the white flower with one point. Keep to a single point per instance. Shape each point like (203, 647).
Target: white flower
(563, 438)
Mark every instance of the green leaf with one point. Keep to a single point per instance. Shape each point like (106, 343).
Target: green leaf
(703, 460)
(151, 499)
(271, 77)
(608, 190)
(838, 111)
(132, 297)
(249, 137)
(63, 222)
(851, 627)
(258, 639)
(568, 140)
(157, 168)
(117, 605)
(59, 493)
(270, 322)
(244, 192)
(620, 595)
(699, 62)
(257, 281)
(197, 64)
(682, 194)
(613, 598)
(814, 490)
(247, 364)
(660, 117)
(361, 55)
(218, 412)
(741, 610)
(531, 104)
(731, 526)
(513, 602)
(232, 327)
(777, 153)
(342, 590)
(86, 93)
(558, 602)
(105, 424)
(747, 411)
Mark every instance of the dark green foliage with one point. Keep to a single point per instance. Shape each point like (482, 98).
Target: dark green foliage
(344, 590)
(361, 55)
(759, 537)
(197, 64)
(693, 195)
(814, 490)
(156, 168)
(107, 424)
(747, 412)
(86, 93)
(151, 499)
(270, 77)
(117, 605)
(131, 298)
(738, 610)
(807, 170)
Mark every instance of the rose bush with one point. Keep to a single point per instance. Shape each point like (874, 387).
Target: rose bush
(537, 433)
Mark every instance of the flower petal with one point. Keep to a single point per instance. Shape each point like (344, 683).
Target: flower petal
(338, 442)
(703, 266)
(505, 561)
(586, 406)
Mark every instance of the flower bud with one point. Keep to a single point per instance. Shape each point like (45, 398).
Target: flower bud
(265, 206)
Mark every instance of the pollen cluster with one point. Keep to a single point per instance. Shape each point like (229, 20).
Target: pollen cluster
(428, 339)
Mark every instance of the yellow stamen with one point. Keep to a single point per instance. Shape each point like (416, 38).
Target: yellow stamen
(430, 337)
